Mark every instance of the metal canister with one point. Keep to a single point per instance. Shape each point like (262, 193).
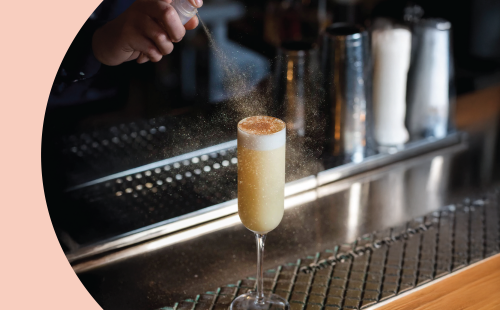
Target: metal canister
(298, 87)
(428, 95)
(344, 54)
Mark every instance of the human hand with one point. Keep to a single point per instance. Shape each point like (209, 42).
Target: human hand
(145, 31)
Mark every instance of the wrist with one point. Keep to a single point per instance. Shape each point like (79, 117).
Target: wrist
(102, 46)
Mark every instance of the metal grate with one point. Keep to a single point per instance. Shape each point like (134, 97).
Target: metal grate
(89, 155)
(147, 197)
(456, 236)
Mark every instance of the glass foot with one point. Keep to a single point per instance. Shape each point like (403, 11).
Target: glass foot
(249, 301)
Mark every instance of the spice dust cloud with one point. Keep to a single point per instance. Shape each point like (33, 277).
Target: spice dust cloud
(250, 100)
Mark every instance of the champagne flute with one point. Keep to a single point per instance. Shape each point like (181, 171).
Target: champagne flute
(261, 194)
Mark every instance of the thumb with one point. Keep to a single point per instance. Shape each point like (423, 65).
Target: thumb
(196, 3)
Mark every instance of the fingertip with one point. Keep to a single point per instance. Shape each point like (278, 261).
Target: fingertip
(156, 59)
(196, 3)
(192, 23)
(142, 59)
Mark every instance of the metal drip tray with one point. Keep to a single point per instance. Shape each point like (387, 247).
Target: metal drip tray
(378, 266)
(146, 195)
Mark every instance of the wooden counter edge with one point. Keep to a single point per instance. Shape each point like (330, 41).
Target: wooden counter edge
(474, 287)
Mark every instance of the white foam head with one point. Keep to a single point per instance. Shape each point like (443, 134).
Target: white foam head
(261, 139)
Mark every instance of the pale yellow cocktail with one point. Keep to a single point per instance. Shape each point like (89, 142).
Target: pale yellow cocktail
(261, 172)
(261, 196)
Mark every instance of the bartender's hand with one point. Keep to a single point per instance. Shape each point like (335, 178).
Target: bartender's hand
(145, 31)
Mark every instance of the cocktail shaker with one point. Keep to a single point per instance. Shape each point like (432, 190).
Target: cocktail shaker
(344, 60)
(298, 87)
(299, 95)
(429, 80)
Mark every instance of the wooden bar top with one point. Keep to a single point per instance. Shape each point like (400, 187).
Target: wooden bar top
(474, 287)
(476, 107)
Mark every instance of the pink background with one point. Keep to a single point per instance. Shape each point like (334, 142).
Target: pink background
(34, 271)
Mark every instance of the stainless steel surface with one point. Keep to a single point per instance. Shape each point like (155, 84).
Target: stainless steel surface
(181, 236)
(409, 150)
(220, 210)
(176, 224)
(344, 65)
(429, 79)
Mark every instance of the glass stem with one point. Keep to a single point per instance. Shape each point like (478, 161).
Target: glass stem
(260, 239)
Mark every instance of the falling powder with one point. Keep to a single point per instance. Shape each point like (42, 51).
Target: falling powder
(249, 100)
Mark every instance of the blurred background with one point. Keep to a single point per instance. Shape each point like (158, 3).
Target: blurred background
(161, 114)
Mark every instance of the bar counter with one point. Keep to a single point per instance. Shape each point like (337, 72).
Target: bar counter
(205, 266)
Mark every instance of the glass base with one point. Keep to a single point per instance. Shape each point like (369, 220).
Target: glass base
(249, 301)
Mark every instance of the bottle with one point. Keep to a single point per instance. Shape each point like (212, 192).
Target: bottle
(391, 45)
(185, 10)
